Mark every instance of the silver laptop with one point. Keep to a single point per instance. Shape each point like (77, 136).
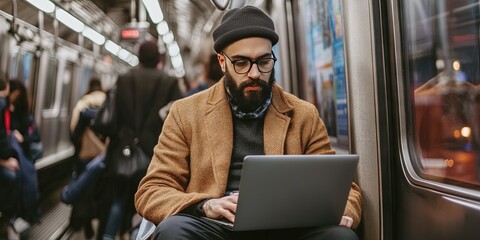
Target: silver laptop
(292, 191)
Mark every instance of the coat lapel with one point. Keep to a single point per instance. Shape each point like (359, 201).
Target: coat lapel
(219, 126)
(275, 132)
(276, 124)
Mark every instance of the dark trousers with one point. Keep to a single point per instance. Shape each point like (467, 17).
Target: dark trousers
(9, 192)
(116, 214)
(187, 227)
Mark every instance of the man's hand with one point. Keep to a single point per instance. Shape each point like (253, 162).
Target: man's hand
(11, 164)
(346, 222)
(221, 207)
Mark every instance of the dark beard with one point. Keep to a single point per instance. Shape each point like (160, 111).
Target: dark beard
(255, 99)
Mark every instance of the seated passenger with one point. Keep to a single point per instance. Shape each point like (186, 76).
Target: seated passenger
(24, 137)
(206, 136)
(9, 172)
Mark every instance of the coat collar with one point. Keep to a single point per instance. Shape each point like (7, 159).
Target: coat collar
(219, 126)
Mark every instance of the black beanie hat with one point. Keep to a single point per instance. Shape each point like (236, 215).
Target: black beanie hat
(244, 22)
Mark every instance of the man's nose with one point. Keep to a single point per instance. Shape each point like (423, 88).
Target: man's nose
(254, 73)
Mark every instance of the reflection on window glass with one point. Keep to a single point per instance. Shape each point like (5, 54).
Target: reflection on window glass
(51, 83)
(441, 52)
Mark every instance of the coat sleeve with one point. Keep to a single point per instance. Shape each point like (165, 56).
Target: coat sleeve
(161, 193)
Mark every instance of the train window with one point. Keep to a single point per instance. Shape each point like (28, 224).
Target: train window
(326, 82)
(27, 68)
(85, 77)
(21, 67)
(14, 66)
(51, 84)
(441, 60)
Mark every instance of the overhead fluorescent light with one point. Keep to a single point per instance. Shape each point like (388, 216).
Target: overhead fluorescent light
(162, 28)
(69, 20)
(124, 54)
(177, 61)
(168, 38)
(93, 35)
(133, 60)
(173, 49)
(154, 10)
(112, 47)
(43, 5)
(180, 72)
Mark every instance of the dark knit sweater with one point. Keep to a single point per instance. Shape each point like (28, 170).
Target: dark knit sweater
(247, 140)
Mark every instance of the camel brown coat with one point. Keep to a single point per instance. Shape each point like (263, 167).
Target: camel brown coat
(192, 158)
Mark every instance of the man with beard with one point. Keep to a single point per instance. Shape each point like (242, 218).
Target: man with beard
(199, 155)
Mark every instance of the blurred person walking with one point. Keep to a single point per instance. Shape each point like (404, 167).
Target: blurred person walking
(87, 146)
(137, 121)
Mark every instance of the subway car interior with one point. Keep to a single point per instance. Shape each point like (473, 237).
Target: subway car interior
(396, 82)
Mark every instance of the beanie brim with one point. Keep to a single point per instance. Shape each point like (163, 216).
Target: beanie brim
(245, 32)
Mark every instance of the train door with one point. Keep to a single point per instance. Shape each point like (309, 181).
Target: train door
(67, 78)
(60, 73)
(436, 163)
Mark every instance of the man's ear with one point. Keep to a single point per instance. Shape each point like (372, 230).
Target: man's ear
(221, 60)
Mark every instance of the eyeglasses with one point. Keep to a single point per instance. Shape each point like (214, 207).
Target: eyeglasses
(243, 65)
